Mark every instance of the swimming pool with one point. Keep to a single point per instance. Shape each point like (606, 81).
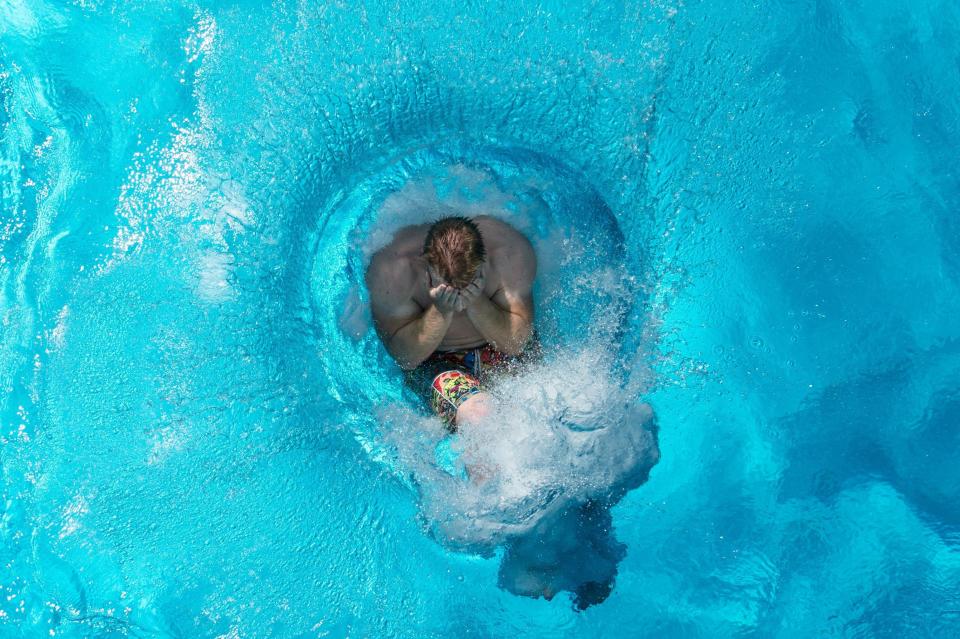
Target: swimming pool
(747, 217)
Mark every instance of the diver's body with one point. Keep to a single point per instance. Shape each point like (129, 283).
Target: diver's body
(452, 299)
(452, 303)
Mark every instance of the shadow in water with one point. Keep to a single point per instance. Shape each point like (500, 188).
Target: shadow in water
(574, 550)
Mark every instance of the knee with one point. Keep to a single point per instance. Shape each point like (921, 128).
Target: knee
(474, 409)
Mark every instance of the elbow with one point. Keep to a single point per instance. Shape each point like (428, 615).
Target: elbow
(405, 365)
(514, 347)
(511, 349)
(522, 341)
(397, 352)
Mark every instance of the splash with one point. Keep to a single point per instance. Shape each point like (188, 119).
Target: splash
(565, 438)
(564, 441)
(563, 432)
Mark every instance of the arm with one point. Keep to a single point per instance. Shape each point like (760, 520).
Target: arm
(418, 338)
(408, 331)
(506, 318)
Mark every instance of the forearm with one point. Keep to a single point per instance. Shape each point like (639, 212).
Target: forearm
(507, 332)
(414, 343)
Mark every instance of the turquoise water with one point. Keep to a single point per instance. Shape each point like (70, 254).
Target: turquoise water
(746, 216)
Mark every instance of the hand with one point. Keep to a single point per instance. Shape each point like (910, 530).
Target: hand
(445, 298)
(474, 289)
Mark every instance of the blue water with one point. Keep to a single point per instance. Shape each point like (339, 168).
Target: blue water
(747, 216)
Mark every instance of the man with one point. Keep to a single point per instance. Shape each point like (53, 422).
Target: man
(452, 303)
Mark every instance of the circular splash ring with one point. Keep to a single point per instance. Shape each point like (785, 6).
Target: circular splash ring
(582, 270)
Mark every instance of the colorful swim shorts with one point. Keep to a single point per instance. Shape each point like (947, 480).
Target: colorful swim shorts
(451, 377)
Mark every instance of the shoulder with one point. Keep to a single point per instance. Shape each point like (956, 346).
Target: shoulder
(510, 251)
(390, 275)
(395, 262)
(501, 236)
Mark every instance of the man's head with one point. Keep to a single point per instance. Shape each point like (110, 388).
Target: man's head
(454, 248)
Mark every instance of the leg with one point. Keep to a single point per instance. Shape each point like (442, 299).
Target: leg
(472, 412)
(474, 408)
(450, 390)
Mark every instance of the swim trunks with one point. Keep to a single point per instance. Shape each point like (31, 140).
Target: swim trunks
(447, 379)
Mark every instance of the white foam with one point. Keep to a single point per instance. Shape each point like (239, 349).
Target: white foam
(563, 432)
(213, 282)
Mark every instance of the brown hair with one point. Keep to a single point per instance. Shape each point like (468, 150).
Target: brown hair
(454, 247)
